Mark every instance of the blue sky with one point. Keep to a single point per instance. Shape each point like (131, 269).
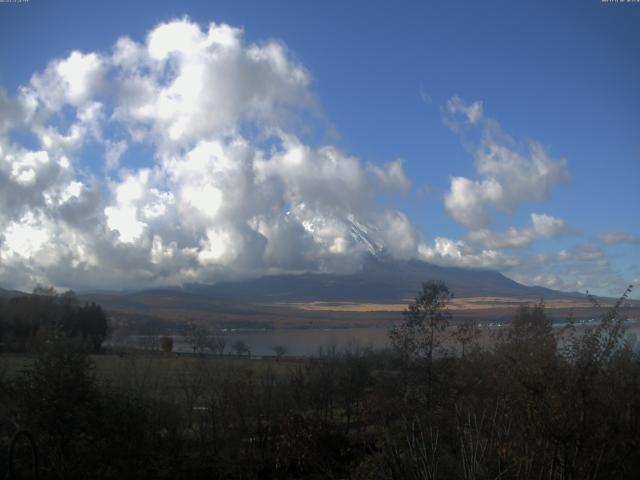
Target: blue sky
(387, 82)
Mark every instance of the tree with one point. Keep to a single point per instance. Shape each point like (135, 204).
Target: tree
(217, 344)
(280, 351)
(33, 319)
(531, 332)
(197, 336)
(3, 324)
(166, 344)
(88, 322)
(42, 291)
(59, 399)
(418, 336)
(68, 298)
(240, 347)
(424, 319)
(96, 326)
(465, 333)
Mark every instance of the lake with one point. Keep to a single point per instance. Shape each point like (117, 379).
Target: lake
(306, 342)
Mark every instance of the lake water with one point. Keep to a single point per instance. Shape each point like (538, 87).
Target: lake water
(298, 342)
(305, 342)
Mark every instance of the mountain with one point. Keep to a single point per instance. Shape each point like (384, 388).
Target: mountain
(8, 294)
(373, 296)
(381, 280)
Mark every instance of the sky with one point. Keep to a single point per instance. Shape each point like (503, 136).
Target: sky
(160, 143)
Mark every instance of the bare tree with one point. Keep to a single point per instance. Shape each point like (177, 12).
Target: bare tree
(197, 337)
(465, 334)
(241, 347)
(217, 344)
(280, 351)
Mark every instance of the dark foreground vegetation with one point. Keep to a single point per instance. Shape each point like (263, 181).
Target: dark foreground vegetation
(527, 407)
(27, 322)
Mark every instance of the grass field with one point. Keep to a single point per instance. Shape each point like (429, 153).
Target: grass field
(456, 305)
(158, 375)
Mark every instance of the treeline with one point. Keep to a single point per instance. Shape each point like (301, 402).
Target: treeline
(27, 322)
(532, 405)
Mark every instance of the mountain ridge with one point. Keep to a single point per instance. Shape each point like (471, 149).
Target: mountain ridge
(373, 296)
(381, 280)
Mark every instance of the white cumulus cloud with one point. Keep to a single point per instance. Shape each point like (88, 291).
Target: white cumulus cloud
(508, 173)
(229, 186)
(542, 226)
(615, 237)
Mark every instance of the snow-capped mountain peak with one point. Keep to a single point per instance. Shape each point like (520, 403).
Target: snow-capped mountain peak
(366, 235)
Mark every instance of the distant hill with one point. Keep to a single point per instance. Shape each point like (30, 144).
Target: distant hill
(381, 280)
(163, 309)
(292, 300)
(7, 294)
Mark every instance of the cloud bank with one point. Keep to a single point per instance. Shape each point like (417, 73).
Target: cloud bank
(542, 226)
(615, 237)
(183, 158)
(179, 159)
